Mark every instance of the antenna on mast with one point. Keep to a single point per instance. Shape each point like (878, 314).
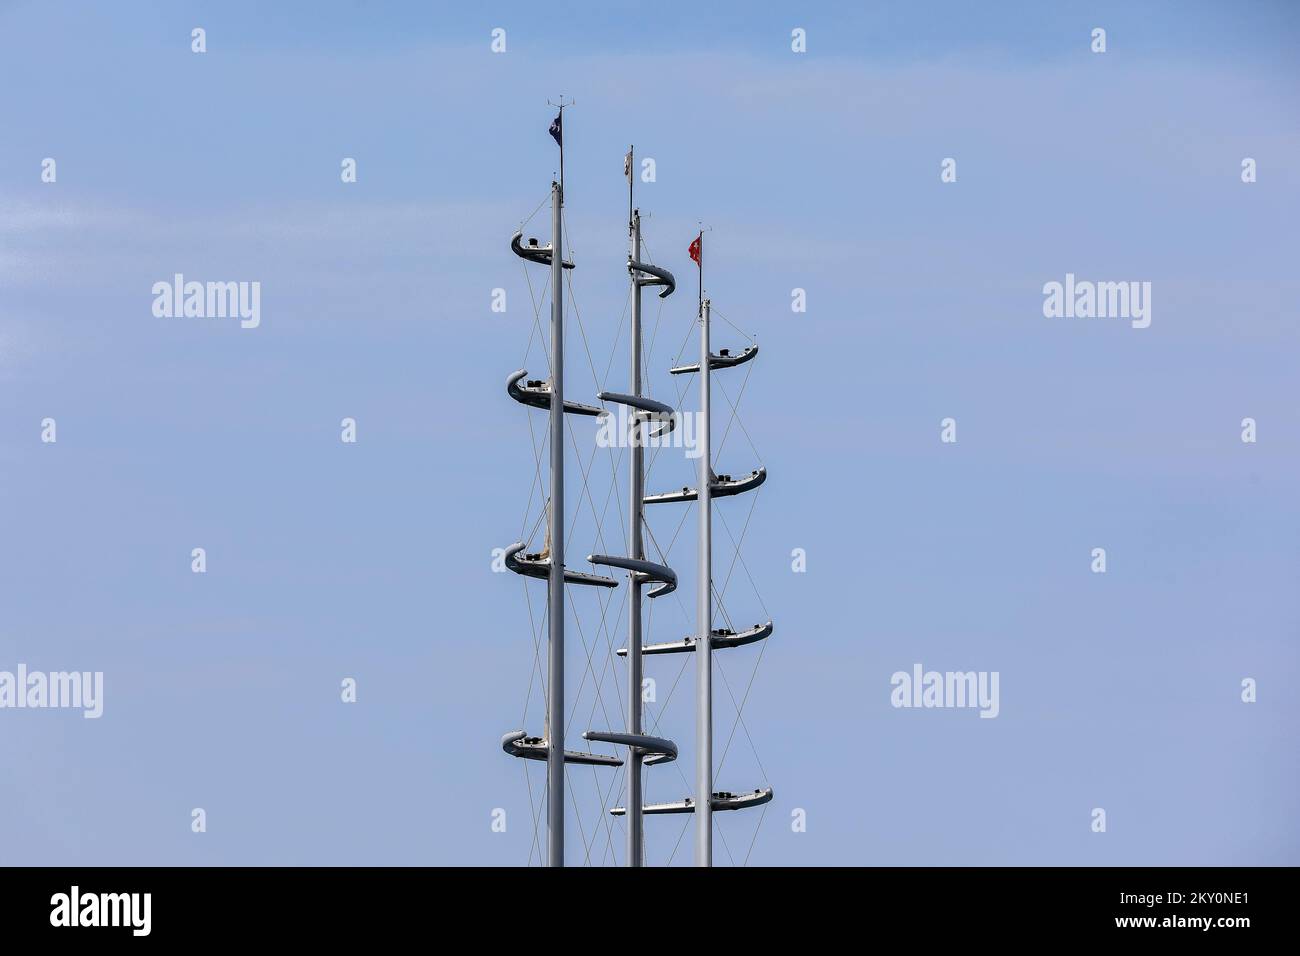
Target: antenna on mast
(557, 131)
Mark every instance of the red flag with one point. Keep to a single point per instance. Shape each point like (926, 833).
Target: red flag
(695, 249)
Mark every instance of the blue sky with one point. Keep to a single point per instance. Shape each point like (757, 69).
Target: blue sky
(818, 171)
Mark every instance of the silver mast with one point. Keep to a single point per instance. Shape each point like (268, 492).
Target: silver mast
(704, 613)
(644, 750)
(549, 563)
(555, 660)
(636, 482)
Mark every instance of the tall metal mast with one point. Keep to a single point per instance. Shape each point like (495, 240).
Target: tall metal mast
(549, 563)
(644, 750)
(636, 484)
(704, 612)
(554, 732)
(707, 639)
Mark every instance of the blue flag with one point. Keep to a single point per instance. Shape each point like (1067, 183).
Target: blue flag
(557, 128)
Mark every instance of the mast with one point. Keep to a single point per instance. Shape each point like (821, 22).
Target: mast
(704, 611)
(555, 657)
(644, 750)
(636, 491)
(549, 563)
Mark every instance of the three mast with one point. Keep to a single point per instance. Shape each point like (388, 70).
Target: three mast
(643, 749)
